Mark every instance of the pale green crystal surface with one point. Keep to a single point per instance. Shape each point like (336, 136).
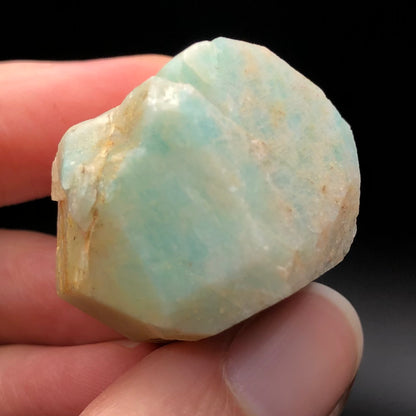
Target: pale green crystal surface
(218, 187)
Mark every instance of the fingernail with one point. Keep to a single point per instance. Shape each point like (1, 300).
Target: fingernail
(297, 357)
(339, 407)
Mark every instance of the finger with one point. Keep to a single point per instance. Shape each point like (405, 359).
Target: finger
(296, 359)
(61, 381)
(39, 101)
(30, 310)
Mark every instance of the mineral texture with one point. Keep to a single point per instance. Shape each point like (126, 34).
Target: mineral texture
(218, 187)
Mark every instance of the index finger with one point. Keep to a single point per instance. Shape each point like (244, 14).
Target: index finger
(39, 101)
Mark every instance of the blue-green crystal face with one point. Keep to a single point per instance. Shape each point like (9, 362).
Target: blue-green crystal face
(218, 187)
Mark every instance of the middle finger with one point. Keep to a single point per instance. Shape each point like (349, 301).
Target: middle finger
(30, 310)
(61, 381)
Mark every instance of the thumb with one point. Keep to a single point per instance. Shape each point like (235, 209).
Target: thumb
(279, 362)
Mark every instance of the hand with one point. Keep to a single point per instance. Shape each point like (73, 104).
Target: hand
(297, 358)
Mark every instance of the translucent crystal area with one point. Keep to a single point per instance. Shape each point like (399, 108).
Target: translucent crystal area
(218, 187)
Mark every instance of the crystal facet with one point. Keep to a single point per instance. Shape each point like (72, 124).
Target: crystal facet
(218, 187)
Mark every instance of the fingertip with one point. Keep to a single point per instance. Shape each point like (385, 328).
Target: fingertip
(281, 361)
(348, 311)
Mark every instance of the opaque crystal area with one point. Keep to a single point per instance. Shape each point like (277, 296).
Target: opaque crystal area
(218, 187)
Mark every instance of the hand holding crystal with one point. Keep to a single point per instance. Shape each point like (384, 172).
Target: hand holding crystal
(297, 358)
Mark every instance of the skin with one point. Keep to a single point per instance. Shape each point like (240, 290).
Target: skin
(298, 357)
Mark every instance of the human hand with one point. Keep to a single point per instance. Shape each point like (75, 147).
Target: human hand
(297, 358)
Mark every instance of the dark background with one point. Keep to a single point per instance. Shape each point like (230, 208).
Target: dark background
(360, 57)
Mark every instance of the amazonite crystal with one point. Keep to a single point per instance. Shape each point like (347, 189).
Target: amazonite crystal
(218, 187)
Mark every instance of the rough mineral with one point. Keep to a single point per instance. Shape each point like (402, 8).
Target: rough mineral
(218, 187)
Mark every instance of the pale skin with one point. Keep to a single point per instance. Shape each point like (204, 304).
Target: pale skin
(297, 358)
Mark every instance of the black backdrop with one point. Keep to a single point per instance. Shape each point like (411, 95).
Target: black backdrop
(360, 57)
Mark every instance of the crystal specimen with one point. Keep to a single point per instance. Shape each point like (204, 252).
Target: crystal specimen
(218, 187)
